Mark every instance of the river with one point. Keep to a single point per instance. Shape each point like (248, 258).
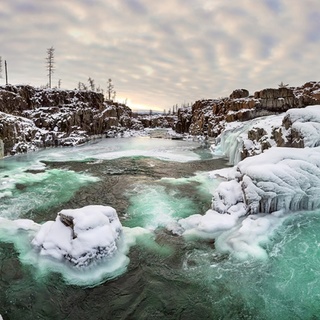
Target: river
(151, 183)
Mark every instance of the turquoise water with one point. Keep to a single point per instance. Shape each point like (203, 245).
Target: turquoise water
(166, 276)
(26, 194)
(285, 286)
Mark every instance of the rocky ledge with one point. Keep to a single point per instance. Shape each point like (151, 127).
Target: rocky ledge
(32, 117)
(212, 115)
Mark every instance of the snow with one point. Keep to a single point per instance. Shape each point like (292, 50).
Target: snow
(269, 187)
(243, 237)
(278, 179)
(258, 193)
(307, 122)
(208, 224)
(93, 235)
(114, 148)
(249, 237)
(235, 136)
(307, 114)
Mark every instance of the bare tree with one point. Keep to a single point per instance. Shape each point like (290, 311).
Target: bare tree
(91, 84)
(6, 70)
(282, 85)
(110, 90)
(59, 83)
(0, 67)
(50, 63)
(82, 86)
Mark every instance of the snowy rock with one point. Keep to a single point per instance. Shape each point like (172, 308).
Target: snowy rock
(304, 125)
(33, 117)
(208, 225)
(210, 116)
(296, 128)
(278, 179)
(243, 139)
(17, 133)
(80, 236)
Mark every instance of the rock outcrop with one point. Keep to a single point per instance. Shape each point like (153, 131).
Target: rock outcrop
(16, 99)
(297, 128)
(32, 117)
(209, 117)
(157, 121)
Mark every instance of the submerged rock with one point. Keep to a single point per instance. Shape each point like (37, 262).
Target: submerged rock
(80, 236)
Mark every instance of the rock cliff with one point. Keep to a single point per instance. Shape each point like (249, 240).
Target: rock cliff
(211, 116)
(31, 117)
(296, 128)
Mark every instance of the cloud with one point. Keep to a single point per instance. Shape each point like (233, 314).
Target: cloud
(136, 6)
(162, 53)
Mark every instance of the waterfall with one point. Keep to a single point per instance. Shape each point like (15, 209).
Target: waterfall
(234, 139)
(231, 142)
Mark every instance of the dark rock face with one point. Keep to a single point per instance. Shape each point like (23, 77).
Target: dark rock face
(16, 99)
(277, 100)
(184, 120)
(239, 93)
(12, 100)
(157, 121)
(31, 117)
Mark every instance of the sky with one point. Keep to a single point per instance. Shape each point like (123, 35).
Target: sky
(162, 53)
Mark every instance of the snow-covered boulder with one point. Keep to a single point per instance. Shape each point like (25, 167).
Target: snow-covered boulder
(257, 196)
(279, 179)
(80, 236)
(303, 126)
(210, 224)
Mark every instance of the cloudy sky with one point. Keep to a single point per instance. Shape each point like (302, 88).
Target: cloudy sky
(160, 53)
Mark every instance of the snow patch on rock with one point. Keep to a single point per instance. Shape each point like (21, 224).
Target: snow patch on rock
(80, 236)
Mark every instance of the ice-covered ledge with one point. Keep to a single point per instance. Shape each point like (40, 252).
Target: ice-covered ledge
(279, 179)
(80, 236)
(255, 198)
